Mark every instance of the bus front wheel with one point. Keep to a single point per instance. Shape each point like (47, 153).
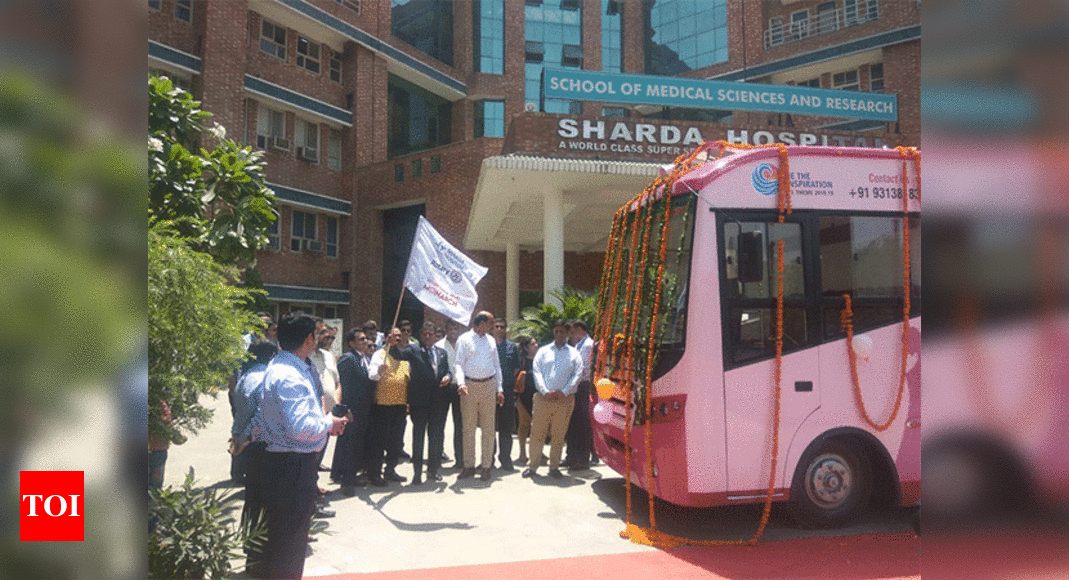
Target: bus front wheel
(832, 486)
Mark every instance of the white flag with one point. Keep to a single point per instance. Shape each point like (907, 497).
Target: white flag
(440, 276)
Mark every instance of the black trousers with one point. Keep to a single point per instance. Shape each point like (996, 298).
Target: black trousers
(453, 405)
(255, 504)
(350, 453)
(505, 425)
(428, 422)
(290, 502)
(388, 424)
(580, 437)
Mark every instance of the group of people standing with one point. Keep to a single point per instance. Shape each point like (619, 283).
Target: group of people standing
(293, 395)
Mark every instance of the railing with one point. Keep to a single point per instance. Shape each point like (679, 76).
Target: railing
(823, 23)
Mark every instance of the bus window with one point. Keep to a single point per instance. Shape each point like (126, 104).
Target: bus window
(749, 292)
(862, 256)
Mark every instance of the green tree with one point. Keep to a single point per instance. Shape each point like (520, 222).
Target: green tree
(537, 321)
(215, 198)
(194, 327)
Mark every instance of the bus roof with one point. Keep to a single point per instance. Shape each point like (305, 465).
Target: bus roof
(847, 178)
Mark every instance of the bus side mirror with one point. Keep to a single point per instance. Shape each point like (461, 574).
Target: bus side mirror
(751, 257)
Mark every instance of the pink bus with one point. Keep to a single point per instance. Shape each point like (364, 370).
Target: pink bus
(712, 378)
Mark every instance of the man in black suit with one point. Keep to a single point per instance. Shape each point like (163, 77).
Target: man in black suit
(358, 393)
(427, 400)
(508, 355)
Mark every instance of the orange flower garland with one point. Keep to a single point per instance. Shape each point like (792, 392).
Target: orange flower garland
(847, 314)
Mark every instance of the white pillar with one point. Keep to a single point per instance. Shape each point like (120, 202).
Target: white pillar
(553, 243)
(512, 281)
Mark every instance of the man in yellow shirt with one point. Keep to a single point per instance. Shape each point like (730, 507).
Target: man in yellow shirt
(388, 417)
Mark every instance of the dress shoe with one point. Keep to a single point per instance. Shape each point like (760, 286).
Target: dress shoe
(459, 464)
(348, 490)
(594, 460)
(567, 463)
(433, 476)
(361, 481)
(522, 460)
(466, 473)
(445, 458)
(507, 467)
(323, 467)
(485, 474)
(393, 476)
(417, 480)
(555, 473)
(578, 466)
(378, 482)
(529, 472)
(405, 455)
(323, 512)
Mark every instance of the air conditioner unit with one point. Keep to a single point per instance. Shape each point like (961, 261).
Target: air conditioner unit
(312, 246)
(308, 154)
(280, 143)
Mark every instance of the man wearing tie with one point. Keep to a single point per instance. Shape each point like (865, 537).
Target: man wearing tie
(358, 394)
(427, 400)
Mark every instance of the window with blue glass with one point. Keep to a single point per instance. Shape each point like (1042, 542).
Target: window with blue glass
(489, 33)
(684, 35)
(554, 37)
(419, 119)
(427, 25)
(490, 118)
(611, 36)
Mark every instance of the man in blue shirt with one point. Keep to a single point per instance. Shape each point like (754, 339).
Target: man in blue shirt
(246, 401)
(557, 368)
(290, 420)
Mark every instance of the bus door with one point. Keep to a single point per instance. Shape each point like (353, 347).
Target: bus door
(748, 267)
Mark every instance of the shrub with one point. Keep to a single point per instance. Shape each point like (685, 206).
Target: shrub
(195, 533)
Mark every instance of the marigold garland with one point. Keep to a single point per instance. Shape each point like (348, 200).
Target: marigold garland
(846, 317)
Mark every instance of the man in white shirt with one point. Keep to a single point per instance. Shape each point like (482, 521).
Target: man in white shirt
(478, 373)
(580, 436)
(453, 329)
(556, 367)
(327, 368)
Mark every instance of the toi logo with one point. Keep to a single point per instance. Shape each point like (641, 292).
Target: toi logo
(52, 506)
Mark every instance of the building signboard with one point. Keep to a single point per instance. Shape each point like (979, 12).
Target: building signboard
(636, 138)
(582, 85)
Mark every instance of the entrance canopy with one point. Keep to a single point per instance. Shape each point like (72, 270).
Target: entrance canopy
(549, 204)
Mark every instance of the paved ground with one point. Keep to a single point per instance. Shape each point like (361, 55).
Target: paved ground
(551, 528)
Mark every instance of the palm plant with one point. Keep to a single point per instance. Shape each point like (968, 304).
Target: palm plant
(537, 321)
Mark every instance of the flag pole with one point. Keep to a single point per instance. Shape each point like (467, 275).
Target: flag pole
(397, 313)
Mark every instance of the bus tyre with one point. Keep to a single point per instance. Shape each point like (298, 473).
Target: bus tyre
(832, 486)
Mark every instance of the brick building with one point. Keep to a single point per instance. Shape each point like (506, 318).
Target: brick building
(372, 113)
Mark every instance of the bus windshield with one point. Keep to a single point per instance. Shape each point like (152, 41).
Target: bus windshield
(637, 284)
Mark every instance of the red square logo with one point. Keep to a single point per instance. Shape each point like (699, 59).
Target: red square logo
(52, 506)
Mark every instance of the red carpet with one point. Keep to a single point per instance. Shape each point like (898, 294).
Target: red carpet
(882, 556)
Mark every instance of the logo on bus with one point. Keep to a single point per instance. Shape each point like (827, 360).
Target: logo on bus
(764, 178)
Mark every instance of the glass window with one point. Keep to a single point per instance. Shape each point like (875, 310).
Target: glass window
(332, 237)
(334, 150)
(307, 137)
(154, 4)
(876, 77)
(273, 39)
(308, 54)
(436, 163)
(350, 4)
(335, 67)
(684, 35)
(845, 81)
(417, 167)
(489, 36)
(572, 56)
(613, 112)
(825, 20)
(303, 229)
(418, 118)
(490, 118)
(862, 256)
(611, 36)
(426, 25)
(399, 172)
(548, 28)
(270, 128)
(183, 10)
(272, 235)
(751, 287)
